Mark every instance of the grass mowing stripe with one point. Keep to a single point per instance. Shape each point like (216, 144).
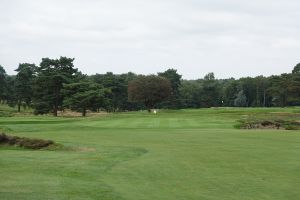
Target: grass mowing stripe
(185, 154)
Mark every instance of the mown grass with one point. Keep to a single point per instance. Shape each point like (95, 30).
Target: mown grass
(185, 154)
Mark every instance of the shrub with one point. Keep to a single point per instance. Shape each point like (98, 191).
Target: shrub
(263, 124)
(25, 142)
(267, 123)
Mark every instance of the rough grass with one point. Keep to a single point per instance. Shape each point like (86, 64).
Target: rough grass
(5, 111)
(287, 121)
(186, 154)
(24, 142)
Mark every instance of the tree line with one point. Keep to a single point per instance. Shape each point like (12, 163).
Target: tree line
(55, 85)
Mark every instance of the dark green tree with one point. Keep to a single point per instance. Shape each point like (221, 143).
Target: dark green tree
(175, 80)
(209, 77)
(240, 100)
(230, 91)
(190, 92)
(296, 69)
(51, 75)
(285, 90)
(2, 83)
(24, 84)
(211, 95)
(262, 98)
(84, 96)
(149, 90)
(118, 84)
(10, 93)
(249, 88)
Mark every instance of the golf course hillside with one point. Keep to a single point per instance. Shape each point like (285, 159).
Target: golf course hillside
(188, 154)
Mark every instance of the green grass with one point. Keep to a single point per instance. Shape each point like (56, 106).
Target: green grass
(7, 111)
(186, 154)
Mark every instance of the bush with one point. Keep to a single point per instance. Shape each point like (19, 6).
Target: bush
(266, 124)
(5, 114)
(3, 138)
(25, 142)
(293, 125)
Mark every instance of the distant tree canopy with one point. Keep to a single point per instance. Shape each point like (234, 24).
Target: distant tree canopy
(117, 84)
(296, 69)
(24, 84)
(55, 85)
(2, 83)
(175, 81)
(241, 99)
(150, 90)
(82, 96)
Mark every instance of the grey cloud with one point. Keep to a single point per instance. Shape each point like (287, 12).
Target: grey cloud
(230, 37)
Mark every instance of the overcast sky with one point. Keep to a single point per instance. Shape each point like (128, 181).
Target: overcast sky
(233, 38)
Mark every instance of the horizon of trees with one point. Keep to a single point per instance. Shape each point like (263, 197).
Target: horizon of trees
(55, 85)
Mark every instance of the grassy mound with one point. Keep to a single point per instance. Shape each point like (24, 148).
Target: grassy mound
(25, 142)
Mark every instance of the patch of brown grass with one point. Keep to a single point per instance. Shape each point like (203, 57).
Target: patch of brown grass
(24, 142)
(70, 113)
